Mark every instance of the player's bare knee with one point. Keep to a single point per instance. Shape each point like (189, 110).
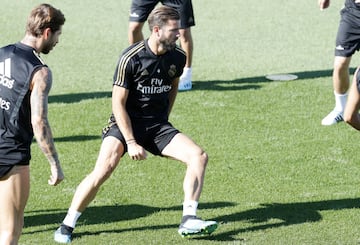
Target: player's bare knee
(202, 159)
(135, 29)
(185, 35)
(205, 158)
(341, 68)
(198, 160)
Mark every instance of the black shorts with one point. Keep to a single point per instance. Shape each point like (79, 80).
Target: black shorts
(348, 35)
(5, 168)
(140, 10)
(154, 137)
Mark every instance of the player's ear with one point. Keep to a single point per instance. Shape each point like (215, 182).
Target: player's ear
(156, 30)
(46, 33)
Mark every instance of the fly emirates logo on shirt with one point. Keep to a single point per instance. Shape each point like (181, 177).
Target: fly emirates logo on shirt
(156, 87)
(5, 81)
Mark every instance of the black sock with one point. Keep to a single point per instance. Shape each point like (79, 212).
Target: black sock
(66, 230)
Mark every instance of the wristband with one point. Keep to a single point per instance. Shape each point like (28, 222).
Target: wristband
(129, 141)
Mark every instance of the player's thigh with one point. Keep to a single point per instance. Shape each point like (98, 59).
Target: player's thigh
(186, 34)
(15, 188)
(135, 26)
(182, 148)
(111, 150)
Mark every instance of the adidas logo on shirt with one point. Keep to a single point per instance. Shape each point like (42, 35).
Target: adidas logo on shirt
(6, 81)
(5, 74)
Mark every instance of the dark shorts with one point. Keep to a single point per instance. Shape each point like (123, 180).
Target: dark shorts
(153, 137)
(5, 169)
(140, 10)
(348, 35)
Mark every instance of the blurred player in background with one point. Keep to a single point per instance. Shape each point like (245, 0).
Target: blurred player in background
(139, 12)
(25, 82)
(347, 43)
(144, 90)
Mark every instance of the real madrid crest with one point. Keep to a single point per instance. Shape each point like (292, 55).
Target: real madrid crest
(172, 71)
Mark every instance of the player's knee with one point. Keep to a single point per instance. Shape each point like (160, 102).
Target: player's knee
(198, 159)
(202, 159)
(135, 32)
(341, 66)
(205, 157)
(135, 28)
(185, 34)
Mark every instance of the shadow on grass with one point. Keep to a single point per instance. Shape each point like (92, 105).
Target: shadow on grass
(77, 138)
(219, 85)
(107, 214)
(251, 82)
(77, 97)
(274, 215)
(267, 216)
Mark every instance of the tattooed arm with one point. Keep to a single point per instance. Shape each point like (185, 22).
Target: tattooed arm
(40, 87)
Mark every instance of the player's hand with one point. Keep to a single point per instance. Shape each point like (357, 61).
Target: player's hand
(56, 176)
(136, 152)
(323, 4)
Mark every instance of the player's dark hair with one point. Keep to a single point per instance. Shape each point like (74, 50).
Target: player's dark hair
(160, 16)
(42, 17)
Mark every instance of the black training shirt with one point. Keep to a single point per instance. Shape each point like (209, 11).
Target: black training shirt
(17, 65)
(148, 77)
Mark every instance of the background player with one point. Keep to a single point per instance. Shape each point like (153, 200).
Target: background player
(139, 12)
(347, 43)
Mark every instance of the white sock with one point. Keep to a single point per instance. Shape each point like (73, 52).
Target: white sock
(189, 208)
(187, 72)
(340, 101)
(71, 218)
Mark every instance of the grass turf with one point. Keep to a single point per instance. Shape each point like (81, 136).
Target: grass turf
(275, 176)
